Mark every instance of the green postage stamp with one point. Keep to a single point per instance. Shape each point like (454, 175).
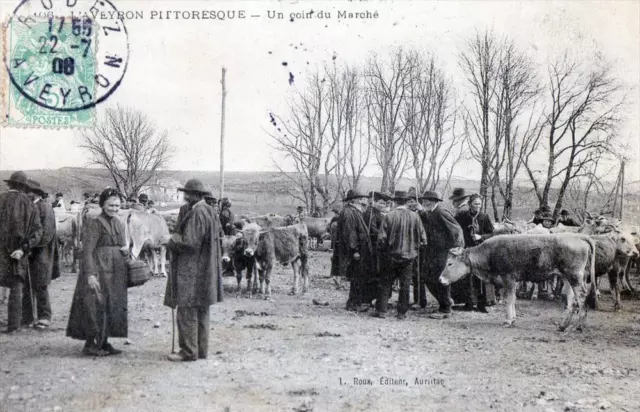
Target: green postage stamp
(51, 69)
(61, 59)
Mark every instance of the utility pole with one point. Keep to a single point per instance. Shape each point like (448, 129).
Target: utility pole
(224, 95)
(621, 189)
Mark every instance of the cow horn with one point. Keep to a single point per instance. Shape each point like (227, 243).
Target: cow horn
(457, 251)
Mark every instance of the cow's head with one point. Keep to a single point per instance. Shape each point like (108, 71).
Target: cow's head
(228, 245)
(251, 233)
(456, 267)
(625, 243)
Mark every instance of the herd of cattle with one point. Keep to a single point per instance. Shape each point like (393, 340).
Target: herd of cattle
(558, 261)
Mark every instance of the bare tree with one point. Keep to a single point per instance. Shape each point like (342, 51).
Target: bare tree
(126, 143)
(480, 61)
(581, 119)
(387, 91)
(429, 118)
(516, 92)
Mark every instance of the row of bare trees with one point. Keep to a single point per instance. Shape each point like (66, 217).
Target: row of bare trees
(399, 112)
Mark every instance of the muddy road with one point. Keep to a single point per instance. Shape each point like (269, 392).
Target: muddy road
(290, 354)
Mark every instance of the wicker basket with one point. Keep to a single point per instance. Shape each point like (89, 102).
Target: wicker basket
(138, 273)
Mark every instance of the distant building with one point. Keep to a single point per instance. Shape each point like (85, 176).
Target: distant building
(163, 190)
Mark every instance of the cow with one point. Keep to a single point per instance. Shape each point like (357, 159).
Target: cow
(226, 247)
(148, 233)
(287, 245)
(271, 220)
(317, 229)
(238, 255)
(528, 258)
(613, 252)
(67, 232)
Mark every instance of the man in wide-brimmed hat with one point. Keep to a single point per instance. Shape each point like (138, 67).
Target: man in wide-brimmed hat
(399, 240)
(59, 202)
(20, 218)
(196, 279)
(42, 263)
(354, 250)
(227, 217)
(373, 217)
(443, 233)
(460, 199)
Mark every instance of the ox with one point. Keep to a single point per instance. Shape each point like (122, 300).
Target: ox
(528, 258)
(148, 233)
(286, 245)
(67, 232)
(317, 229)
(613, 252)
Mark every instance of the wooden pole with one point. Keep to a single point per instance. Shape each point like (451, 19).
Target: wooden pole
(621, 190)
(224, 95)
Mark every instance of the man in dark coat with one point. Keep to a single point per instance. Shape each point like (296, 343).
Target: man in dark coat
(41, 263)
(460, 200)
(476, 227)
(399, 239)
(443, 233)
(566, 220)
(21, 232)
(227, 217)
(373, 217)
(353, 249)
(196, 276)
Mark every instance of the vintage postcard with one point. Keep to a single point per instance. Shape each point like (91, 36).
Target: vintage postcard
(319, 205)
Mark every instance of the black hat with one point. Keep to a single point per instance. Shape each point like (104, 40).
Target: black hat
(431, 195)
(143, 197)
(193, 186)
(59, 194)
(564, 212)
(379, 196)
(458, 194)
(353, 194)
(35, 187)
(400, 195)
(18, 177)
(150, 203)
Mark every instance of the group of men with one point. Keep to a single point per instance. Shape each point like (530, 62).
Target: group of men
(376, 244)
(28, 250)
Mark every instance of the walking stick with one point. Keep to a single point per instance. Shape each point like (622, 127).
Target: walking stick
(173, 310)
(31, 297)
(418, 265)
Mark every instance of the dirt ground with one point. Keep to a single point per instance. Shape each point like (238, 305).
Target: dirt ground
(289, 354)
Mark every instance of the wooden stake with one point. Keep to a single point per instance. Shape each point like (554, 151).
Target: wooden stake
(621, 190)
(224, 95)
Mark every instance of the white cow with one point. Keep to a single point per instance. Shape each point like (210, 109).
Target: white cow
(148, 232)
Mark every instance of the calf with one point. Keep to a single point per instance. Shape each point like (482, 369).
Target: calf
(613, 252)
(227, 243)
(527, 258)
(286, 245)
(242, 256)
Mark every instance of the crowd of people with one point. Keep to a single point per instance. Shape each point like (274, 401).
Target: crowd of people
(98, 311)
(381, 239)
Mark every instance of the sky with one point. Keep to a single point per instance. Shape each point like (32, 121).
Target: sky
(174, 67)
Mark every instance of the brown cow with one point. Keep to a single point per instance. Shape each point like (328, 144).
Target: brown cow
(286, 245)
(528, 258)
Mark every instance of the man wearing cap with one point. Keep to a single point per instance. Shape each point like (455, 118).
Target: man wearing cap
(399, 239)
(373, 217)
(566, 220)
(443, 233)
(353, 249)
(21, 232)
(42, 263)
(59, 202)
(196, 277)
(226, 217)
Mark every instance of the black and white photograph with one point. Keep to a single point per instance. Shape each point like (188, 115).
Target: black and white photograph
(314, 205)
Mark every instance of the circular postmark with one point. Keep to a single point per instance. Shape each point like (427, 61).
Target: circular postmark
(66, 55)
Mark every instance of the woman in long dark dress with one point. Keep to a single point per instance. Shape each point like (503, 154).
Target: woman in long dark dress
(99, 308)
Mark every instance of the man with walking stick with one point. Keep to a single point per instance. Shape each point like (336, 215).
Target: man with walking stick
(196, 277)
(20, 231)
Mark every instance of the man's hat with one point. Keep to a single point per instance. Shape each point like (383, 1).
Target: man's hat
(193, 186)
(564, 212)
(34, 187)
(209, 195)
(431, 195)
(151, 203)
(400, 195)
(353, 194)
(379, 196)
(458, 194)
(59, 194)
(18, 177)
(143, 196)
